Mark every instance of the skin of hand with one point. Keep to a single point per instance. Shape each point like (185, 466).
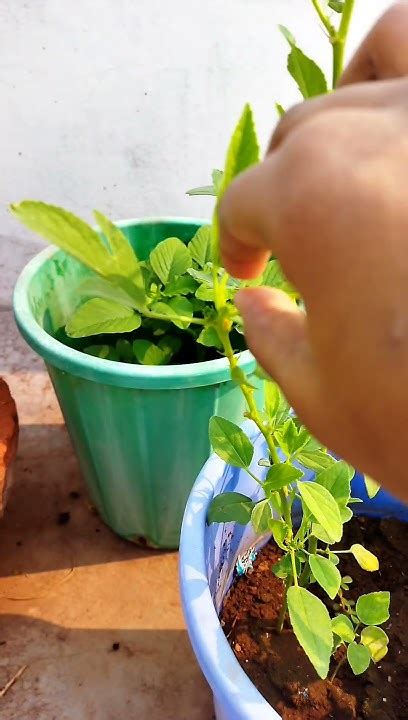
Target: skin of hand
(330, 201)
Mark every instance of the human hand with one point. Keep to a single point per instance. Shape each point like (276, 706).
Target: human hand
(330, 201)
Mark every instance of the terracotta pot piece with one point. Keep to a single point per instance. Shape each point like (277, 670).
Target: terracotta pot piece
(8, 441)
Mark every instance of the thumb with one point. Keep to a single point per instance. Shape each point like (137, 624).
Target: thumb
(276, 333)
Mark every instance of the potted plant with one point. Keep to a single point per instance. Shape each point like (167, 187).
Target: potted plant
(122, 318)
(270, 478)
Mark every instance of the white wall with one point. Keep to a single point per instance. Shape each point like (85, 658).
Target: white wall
(124, 104)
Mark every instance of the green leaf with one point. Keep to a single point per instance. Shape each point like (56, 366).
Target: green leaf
(204, 190)
(170, 345)
(217, 176)
(326, 574)
(230, 442)
(102, 351)
(372, 486)
(276, 405)
(346, 514)
(147, 353)
(373, 608)
(343, 627)
(183, 307)
(67, 231)
(123, 255)
(280, 110)
(320, 533)
(272, 397)
(366, 559)
(306, 73)
(200, 246)
(273, 277)
(125, 351)
(291, 438)
(279, 532)
(99, 316)
(336, 479)
(183, 285)
(202, 277)
(359, 658)
(176, 306)
(209, 337)
(169, 259)
(205, 293)
(287, 35)
(230, 507)
(336, 5)
(283, 568)
(281, 475)
(277, 503)
(315, 459)
(376, 641)
(312, 626)
(261, 516)
(243, 151)
(99, 287)
(323, 507)
(78, 239)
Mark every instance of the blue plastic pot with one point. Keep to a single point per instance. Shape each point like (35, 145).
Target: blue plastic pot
(208, 557)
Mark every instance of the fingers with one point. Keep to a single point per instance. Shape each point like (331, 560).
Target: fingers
(368, 95)
(246, 218)
(276, 332)
(384, 53)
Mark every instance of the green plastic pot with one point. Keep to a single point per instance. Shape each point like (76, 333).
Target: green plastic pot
(140, 432)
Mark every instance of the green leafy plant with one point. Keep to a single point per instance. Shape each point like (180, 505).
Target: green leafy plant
(305, 519)
(153, 308)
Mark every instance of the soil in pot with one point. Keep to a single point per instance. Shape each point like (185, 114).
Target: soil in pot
(277, 664)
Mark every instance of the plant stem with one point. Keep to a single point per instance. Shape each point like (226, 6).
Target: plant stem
(293, 561)
(312, 549)
(324, 19)
(312, 545)
(339, 40)
(282, 614)
(257, 480)
(337, 668)
(248, 393)
(167, 317)
(346, 19)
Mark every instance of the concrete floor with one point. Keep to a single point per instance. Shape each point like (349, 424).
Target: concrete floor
(96, 620)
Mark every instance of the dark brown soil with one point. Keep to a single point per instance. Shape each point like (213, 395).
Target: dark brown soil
(277, 664)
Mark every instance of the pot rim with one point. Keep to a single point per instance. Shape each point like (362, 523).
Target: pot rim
(111, 372)
(216, 659)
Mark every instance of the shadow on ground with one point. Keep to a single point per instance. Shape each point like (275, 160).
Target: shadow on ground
(99, 674)
(49, 523)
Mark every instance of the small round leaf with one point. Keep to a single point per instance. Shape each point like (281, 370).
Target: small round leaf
(343, 627)
(376, 640)
(373, 608)
(359, 658)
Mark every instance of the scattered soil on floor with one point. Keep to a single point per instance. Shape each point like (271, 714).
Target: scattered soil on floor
(277, 664)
